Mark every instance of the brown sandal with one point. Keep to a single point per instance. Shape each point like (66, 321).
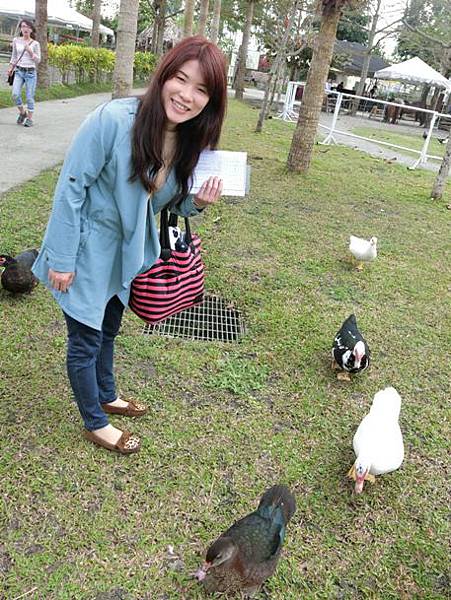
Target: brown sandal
(133, 409)
(128, 443)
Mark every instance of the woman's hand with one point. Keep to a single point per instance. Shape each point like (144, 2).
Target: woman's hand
(209, 192)
(60, 281)
(9, 71)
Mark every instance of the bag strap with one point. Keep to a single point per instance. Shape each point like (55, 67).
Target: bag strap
(165, 253)
(20, 57)
(165, 223)
(173, 219)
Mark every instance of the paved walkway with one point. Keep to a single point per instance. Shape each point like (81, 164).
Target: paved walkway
(27, 152)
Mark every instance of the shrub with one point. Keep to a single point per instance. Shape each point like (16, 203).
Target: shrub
(143, 65)
(89, 64)
(86, 62)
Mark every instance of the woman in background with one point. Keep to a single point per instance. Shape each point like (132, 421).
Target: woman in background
(25, 57)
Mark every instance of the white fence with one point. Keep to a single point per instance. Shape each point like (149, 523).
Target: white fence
(288, 114)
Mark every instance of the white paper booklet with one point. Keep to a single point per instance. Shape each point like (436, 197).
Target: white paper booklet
(231, 167)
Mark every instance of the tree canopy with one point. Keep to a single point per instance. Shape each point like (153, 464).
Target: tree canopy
(425, 33)
(353, 27)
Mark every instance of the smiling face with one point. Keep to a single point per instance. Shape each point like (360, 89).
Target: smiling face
(185, 95)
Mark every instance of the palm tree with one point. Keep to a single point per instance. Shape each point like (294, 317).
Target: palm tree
(41, 31)
(304, 136)
(214, 31)
(95, 23)
(242, 55)
(188, 21)
(125, 48)
(203, 15)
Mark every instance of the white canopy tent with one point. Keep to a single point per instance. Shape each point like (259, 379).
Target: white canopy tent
(59, 13)
(414, 71)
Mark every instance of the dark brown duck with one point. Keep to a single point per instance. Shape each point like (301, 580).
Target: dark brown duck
(246, 555)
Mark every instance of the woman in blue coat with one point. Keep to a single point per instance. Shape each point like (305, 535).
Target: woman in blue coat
(129, 159)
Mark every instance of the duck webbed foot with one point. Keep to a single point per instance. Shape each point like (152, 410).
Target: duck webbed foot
(343, 376)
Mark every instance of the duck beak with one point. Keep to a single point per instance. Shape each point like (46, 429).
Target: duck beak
(357, 359)
(201, 573)
(358, 488)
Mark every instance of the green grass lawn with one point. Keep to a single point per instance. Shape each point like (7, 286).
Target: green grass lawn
(408, 140)
(59, 91)
(228, 421)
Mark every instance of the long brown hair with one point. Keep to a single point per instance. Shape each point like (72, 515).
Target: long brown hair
(30, 24)
(193, 135)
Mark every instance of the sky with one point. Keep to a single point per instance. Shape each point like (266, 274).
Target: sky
(391, 10)
(110, 8)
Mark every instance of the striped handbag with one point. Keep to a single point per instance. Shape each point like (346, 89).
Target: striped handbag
(175, 282)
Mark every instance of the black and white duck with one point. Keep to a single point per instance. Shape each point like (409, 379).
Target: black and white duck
(17, 277)
(246, 555)
(350, 351)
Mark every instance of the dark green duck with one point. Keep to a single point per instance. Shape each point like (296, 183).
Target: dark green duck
(246, 555)
(17, 277)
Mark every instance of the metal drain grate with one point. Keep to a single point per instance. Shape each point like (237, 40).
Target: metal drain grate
(215, 319)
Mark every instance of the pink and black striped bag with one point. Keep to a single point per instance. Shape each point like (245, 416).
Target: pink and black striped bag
(175, 282)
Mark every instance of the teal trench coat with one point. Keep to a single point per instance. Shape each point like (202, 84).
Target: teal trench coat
(102, 226)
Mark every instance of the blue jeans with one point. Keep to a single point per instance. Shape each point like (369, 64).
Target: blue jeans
(90, 364)
(29, 79)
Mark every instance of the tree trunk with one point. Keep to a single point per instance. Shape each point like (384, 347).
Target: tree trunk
(424, 118)
(304, 136)
(367, 58)
(435, 97)
(161, 21)
(424, 95)
(41, 36)
(442, 176)
(242, 57)
(156, 9)
(203, 15)
(277, 78)
(125, 48)
(188, 21)
(276, 67)
(95, 24)
(214, 31)
(277, 88)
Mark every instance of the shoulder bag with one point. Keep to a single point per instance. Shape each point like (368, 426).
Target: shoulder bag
(175, 282)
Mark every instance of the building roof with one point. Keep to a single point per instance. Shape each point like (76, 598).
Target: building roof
(59, 13)
(354, 55)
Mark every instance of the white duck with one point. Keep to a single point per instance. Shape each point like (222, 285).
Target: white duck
(363, 250)
(378, 443)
